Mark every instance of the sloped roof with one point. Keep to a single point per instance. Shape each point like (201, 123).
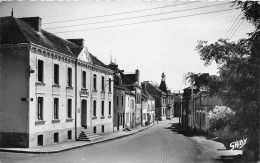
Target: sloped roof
(163, 86)
(126, 80)
(152, 88)
(15, 31)
(96, 61)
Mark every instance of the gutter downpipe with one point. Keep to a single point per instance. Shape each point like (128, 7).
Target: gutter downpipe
(76, 98)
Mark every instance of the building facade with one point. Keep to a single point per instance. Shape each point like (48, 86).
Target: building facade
(48, 87)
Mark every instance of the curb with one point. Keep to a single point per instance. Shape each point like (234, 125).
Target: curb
(75, 147)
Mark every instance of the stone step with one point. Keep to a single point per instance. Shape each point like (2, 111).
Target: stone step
(88, 136)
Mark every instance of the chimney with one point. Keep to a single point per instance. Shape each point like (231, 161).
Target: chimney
(137, 76)
(79, 42)
(34, 22)
(144, 85)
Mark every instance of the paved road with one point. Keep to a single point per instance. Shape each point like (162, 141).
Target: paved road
(157, 144)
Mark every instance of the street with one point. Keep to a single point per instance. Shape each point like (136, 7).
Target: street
(156, 144)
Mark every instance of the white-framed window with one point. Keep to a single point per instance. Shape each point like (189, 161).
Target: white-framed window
(69, 111)
(84, 79)
(56, 74)
(69, 77)
(40, 71)
(56, 108)
(40, 108)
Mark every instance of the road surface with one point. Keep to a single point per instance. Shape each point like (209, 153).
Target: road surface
(158, 144)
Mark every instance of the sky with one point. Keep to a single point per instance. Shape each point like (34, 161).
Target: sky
(151, 36)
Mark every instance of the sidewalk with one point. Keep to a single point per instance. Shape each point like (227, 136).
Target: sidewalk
(64, 146)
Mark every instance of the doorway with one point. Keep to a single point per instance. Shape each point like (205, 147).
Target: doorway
(84, 113)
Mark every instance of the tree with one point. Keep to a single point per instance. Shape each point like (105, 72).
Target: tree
(238, 80)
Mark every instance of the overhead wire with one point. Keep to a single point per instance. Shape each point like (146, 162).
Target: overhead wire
(142, 22)
(139, 16)
(120, 13)
(232, 25)
(237, 28)
(239, 21)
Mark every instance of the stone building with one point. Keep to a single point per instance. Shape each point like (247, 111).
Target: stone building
(164, 99)
(119, 98)
(48, 86)
(132, 82)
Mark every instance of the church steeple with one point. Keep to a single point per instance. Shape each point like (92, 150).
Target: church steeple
(163, 77)
(163, 85)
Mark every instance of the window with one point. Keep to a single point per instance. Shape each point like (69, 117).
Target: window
(122, 100)
(56, 137)
(94, 130)
(128, 101)
(103, 128)
(117, 100)
(69, 112)
(109, 85)
(103, 83)
(95, 82)
(84, 76)
(102, 108)
(56, 74)
(56, 108)
(40, 71)
(40, 140)
(69, 135)
(40, 108)
(109, 108)
(94, 108)
(69, 77)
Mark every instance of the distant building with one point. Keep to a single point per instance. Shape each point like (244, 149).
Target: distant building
(119, 99)
(132, 82)
(52, 89)
(164, 99)
(148, 106)
(203, 104)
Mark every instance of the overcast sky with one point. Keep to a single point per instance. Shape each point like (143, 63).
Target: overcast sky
(152, 36)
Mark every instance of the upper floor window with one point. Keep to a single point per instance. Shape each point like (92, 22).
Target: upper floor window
(40, 108)
(56, 108)
(103, 83)
(122, 100)
(40, 71)
(69, 77)
(94, 108)
(69, 112)
(109, 85)
(56, 74)
(109, 108)
(84, 76)
(102, 108)
(95, 82)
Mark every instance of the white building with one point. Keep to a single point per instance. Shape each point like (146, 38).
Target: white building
(50, 87)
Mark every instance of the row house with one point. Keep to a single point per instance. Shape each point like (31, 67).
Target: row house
(148, 107)
(52, 89)
(132, 82)
(119, 99)
(164, 99)
(202, 105)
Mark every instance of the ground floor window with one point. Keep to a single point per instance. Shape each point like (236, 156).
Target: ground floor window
(69, 135)
(103, 128)
(40, 140)
(56, 137)
(94, 130)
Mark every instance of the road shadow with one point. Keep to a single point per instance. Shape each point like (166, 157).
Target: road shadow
(176, 128)
(231, 159)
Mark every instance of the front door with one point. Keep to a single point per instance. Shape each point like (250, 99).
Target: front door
(84, 113)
